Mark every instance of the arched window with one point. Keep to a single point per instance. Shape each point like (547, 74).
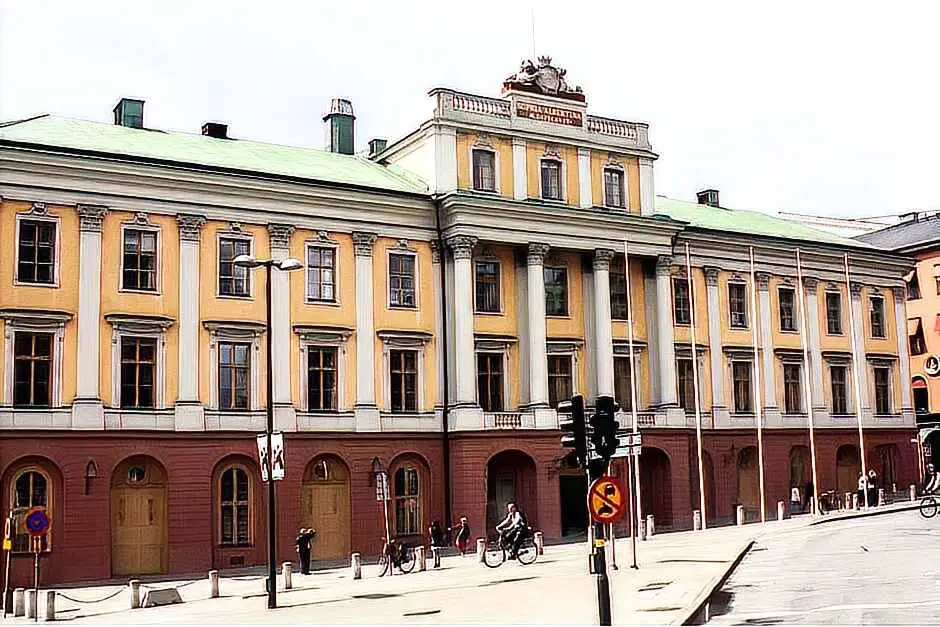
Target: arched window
(407, 500)
(31, 488)
(234, 507)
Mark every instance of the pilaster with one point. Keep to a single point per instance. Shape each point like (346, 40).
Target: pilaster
(189, 414)
(665, 332)
(87, 410)
(367, 412)
(767, 344)
(520, 182)
(285, 418)
(719, 396)
(604, 347)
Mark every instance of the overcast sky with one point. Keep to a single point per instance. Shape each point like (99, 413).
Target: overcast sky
(829, 108)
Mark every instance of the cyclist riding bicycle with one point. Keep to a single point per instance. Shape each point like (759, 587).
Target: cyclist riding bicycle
(512, 529)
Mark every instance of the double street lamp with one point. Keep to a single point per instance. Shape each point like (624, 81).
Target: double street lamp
(284, 265)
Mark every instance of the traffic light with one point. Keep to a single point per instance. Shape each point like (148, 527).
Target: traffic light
(571, 422)
(604, 427)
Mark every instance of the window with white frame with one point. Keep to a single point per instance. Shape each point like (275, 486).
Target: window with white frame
(139, 257)
(484, 170)
(321, 274)
(486, 282)
(402, 280)
(882, 376)
(876, 307)
(138, 372)
(741, 374)
(737, 305)
(322, 367)
(403, 357)
(30, 488)
(560, 379)
(556, 290)
(33, 358)
(838, 388)
(551, 178)
(792, 388)
(614, 189)
(490, 381)
(138, 359)
(234, 375)
(36, 250)
(233, 280)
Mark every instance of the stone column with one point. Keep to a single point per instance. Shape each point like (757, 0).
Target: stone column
(767, 344)
(439, 337)
(189, 411)
(649, 308)
(817, 402)
(859, 331)
(665, 332)
(604, 346)
(719, 404)
(538, 360)
(462, 248)
(87, 411)
(284, 415)
(900, 323)
(367, 412)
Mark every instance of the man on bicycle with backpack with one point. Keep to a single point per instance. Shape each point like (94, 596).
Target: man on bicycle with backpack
(512, 529)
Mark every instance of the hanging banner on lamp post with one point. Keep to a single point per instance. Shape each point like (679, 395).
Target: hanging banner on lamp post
(263, 455)
(277, 451)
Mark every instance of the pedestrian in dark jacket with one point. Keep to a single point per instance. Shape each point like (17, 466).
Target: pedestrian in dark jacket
(304, 538)
(462, 539)
(436, 534)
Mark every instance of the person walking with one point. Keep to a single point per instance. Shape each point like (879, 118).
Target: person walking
(462, 539)
(436, 535)
(304, 540)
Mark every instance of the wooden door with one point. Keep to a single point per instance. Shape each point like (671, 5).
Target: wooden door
(749, 480)
(138, 545)
(325, 507)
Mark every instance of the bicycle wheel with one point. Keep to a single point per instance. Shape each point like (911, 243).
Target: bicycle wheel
(928, 507)
(383, 565)
(407, 563)
(527, 553)
(494, 555)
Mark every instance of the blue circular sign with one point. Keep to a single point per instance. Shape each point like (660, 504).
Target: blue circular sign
(37, 522)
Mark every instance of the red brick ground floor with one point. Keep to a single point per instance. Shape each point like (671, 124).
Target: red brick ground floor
(124, 504)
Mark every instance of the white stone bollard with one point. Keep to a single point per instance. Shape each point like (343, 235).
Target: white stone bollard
(812, 505)
(855, 501)
(848, 500)
(355, 564)
(436, 556)
(650, 526)
(421, 557)
(640, 530)
(481, 549)
(781, 510)
(697, 520)
(913, 491)
(287, 572)
(214, 584)
(50, 605)
(19, 602)
(740, 515)
(539, 543)
(881, 497)
(135, 593)
(31, 603)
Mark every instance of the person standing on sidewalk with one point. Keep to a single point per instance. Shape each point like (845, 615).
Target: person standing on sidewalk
(462, 539)
(304, 538)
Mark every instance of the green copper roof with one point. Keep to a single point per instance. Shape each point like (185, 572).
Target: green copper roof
(190, 148)
(746, 222)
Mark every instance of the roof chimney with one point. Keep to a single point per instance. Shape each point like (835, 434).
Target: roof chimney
(708, 197)
(376, 145)
(340, 127)
(214, 129)
(129, 112)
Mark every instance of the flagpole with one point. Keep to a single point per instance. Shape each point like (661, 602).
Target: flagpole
(806, 382)
(857, 368)
(633, 400)
(695, 385)
(757, 396)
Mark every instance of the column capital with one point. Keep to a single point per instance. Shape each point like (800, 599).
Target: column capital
(856, 289)
(711, 275)
(190, 225)
(280, 235)
(763, 280)
(811, 283)
(462, 246)
(664, 266)
(435, 251)
(602, 258)
(536, 254)
(90, 217)
(363, 242)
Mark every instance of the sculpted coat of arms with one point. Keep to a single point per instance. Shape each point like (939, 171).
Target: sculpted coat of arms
(543, 77)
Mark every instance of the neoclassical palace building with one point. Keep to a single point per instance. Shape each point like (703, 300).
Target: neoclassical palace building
(473, 270)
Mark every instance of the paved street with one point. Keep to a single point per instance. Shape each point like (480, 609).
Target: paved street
(878, 570)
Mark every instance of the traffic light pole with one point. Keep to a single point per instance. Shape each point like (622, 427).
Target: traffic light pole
(600, 576)
(630, 511)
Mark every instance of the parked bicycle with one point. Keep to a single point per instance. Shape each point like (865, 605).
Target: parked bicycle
(929, 505)
(397, 555)
(497, 550)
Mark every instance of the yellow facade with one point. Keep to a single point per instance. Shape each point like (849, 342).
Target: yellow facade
(631, 170)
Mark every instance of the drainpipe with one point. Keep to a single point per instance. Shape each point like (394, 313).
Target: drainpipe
(445, 397)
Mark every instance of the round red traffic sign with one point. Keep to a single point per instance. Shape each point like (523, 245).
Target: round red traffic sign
(607, 500)
(37, 522)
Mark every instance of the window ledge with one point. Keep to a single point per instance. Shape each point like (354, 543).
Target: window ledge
(324, 303)
(235, 296)
(18, 283)
(489, 313)
(128, 290)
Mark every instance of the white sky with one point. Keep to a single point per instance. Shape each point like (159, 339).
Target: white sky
(824, 107)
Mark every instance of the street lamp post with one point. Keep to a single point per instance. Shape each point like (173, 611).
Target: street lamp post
(285, 265)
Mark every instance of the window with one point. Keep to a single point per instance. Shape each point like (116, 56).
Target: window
(138, 365)
(484, 170)
(613, 188)
(234, 374)
(321, 378)
(36, 252)
(407, 501)
(559, 379)
(618, 291)
(876, 306)
(917, 341)
(233, 280)
(622, 383)
(913, 287)
(793, 392)
(837, 377)
(786, 296)
(140, 260)
(684, 376)
(32, 369)
(737, 296)
(741, 373)
(556, 291)
(882, 390)
(321, 274)
(833, 313)
(235, 504)
(490, 381)
(551, 179)
(487, 286)
(681, 305)
(30, 489)
(401, 280)
(404, 373)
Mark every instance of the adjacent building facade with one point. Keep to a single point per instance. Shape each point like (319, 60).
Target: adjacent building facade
(473, 270)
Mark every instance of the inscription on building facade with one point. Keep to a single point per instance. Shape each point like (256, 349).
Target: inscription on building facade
(542, 113)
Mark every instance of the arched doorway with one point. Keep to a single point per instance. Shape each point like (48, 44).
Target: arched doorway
(749, 481)
(325, 506)
(572, 485)
(656, 486)
(510, 476)
(139, 517)
(889, 459)
(921, 395)
(848, 468)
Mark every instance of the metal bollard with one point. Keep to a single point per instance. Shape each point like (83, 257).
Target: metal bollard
(50, 605)
(19, 602)
(31, 603)
(740, 515)
(913, 491)
(214, 584)
(881, 497)
(781, 510)
(355, 564)
(135, 593)
(481, 549)
(286, 570)
(436, 556)
(421, 557)
(696, 520)
(650, 526)
(539, 543)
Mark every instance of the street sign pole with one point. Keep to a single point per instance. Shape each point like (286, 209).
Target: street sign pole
(600, 576)
(8, 549)
(632, 517)
(37, 548)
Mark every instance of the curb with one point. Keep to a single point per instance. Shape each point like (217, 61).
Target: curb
(870, 512)
(701, 599)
